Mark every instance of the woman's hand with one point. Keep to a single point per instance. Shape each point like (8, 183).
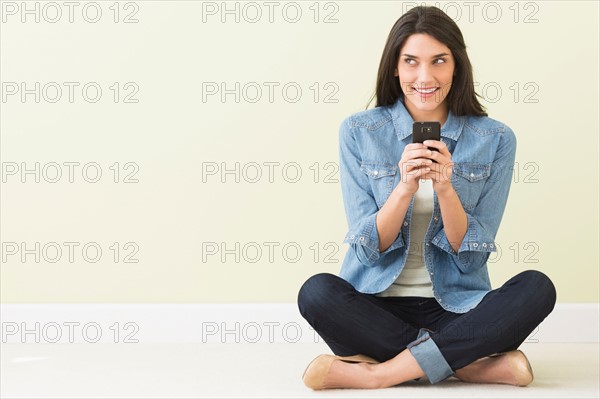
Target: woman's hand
(441, 170)
(413, 165)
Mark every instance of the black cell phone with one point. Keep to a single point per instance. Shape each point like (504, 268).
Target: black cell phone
(426, 131)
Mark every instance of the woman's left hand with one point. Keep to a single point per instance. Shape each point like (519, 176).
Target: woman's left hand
(441, 172)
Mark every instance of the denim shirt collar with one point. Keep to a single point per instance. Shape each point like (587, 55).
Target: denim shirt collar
(403, 123)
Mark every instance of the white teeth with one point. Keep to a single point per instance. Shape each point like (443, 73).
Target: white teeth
(426, 91)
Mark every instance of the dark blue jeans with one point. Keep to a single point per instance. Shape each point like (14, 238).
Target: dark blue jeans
(351, 322)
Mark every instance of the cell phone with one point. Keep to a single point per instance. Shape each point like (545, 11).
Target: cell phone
(426, 131)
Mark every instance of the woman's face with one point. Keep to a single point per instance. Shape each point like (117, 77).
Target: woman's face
(425, 71)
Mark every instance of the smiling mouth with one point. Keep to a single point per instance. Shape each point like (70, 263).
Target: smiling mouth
(426, 90)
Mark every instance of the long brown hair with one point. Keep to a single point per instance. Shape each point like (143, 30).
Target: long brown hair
(462, 99)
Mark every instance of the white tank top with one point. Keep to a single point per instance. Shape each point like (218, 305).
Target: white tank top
(414, 279)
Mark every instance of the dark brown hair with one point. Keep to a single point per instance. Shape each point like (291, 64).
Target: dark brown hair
(462, 99)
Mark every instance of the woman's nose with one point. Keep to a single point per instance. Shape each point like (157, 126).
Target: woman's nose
(425, 76)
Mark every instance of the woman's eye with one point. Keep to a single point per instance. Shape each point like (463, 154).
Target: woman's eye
(411, 61)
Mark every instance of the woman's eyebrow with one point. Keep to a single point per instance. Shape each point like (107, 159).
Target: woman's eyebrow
(414, 56)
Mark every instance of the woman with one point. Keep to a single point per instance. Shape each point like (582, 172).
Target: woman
(413, 298)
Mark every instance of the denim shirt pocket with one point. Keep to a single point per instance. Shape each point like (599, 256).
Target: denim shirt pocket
(382, 177)
(468, 179)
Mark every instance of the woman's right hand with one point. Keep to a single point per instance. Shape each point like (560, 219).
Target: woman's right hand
(413, 164)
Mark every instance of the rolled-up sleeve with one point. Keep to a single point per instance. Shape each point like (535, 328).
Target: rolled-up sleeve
(484, 220)
(359, 203)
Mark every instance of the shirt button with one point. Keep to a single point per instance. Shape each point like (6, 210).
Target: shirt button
(406, 223)
(491, 245)
(475, 245)
(362, 238)
(375, 172)
(484, 245)
(472, 174)
(427, 243)
(352, 236)
(435, 219)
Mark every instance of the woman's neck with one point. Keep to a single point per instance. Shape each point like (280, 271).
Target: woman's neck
(439, 114)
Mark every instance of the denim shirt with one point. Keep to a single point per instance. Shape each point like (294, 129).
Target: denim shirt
(483, 154)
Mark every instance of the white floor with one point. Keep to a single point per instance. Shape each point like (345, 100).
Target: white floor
(253, 371)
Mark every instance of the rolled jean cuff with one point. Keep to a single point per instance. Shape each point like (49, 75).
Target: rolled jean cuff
(429, 357)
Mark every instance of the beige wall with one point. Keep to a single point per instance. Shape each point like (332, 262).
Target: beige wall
(170, 220)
